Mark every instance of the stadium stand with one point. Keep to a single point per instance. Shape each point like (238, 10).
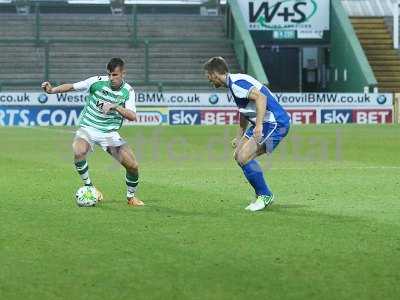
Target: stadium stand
(82, 43)
(20, 61)
(373, 22)
(377, 43)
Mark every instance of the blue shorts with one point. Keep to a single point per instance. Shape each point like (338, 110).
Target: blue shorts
(273, 133)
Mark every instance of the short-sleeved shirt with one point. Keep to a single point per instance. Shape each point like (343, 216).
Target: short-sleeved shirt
(100, 91)
(240, 86)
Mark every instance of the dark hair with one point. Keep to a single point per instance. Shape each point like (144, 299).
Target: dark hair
(114, 63)
(216, 64)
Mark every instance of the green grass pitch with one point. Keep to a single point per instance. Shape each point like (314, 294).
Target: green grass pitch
(334, 232)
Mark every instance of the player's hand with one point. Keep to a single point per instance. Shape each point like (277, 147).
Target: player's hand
(257, 133)
(234, 143)
(107, 107)
(46, 86)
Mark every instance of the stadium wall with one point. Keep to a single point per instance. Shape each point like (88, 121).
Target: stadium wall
(397, 108)
(244, 46)
(347, 55)
(154, 108)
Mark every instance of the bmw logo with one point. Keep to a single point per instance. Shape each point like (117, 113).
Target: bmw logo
(381, 99)
(213, 99)
(42, 98)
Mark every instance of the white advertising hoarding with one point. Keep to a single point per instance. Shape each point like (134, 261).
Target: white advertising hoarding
(310, 18)
(150, 99)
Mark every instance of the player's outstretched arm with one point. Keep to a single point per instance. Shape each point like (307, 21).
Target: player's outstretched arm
(46, 86)
(126, 113)
(261, 107)
(241, 130)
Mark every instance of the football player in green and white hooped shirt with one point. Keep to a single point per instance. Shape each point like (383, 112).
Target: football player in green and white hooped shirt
(110, 101)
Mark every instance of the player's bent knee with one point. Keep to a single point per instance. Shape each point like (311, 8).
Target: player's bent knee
(79, 155)
(241, 158)
(80, 151)
(236, 157)
(132, 167)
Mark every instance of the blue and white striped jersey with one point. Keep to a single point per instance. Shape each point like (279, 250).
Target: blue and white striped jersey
(240, 86)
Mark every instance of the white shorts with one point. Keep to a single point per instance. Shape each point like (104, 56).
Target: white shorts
(103, 139)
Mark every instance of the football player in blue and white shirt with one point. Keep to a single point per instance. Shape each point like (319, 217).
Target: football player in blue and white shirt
(263, 124)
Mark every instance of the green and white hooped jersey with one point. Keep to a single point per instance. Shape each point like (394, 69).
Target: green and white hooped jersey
(100, 91)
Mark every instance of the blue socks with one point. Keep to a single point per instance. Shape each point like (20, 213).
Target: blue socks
(254, 174)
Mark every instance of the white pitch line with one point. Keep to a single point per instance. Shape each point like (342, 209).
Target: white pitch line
(292, 168)
(341, 168)
(266, 168)
(51, 129)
